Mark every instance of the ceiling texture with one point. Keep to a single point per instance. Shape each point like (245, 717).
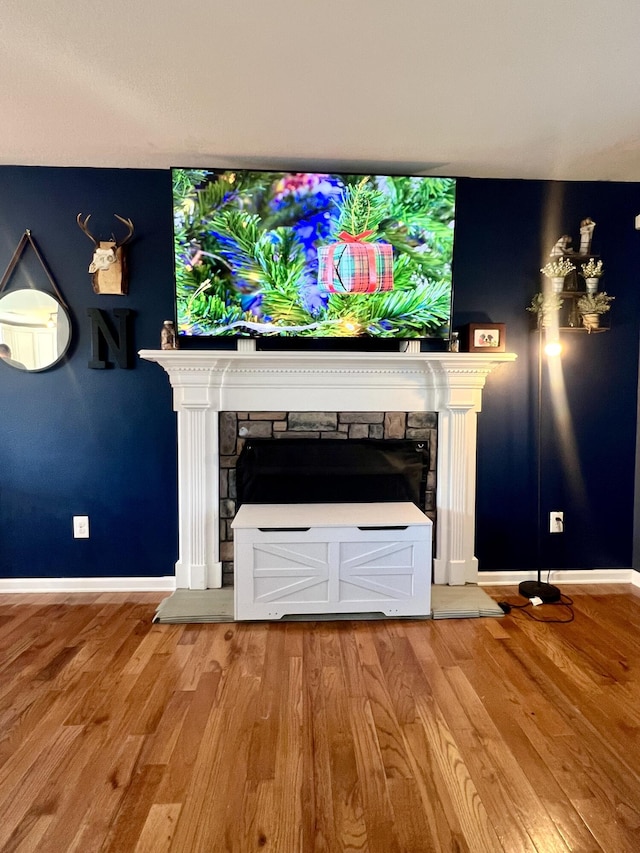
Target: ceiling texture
(484, 88)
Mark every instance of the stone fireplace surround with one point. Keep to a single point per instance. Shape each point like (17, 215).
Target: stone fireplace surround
(235, 428)
(206, 383)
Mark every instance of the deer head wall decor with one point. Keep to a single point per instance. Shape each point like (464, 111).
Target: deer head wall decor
(109, 264)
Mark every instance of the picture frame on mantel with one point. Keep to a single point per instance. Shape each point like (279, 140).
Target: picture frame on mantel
(486, 337)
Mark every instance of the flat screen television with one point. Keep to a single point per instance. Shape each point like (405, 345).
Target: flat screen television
(312, 255)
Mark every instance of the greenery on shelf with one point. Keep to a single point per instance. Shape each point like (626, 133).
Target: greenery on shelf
(592, 269)
(558, 269)
(595, 303)
(545, 305)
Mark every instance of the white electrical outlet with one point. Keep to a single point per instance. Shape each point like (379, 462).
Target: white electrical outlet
(80, 526)
(556, 521)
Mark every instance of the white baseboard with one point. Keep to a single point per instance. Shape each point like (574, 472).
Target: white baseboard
(163, 584)
(168, 583)
(561, 576)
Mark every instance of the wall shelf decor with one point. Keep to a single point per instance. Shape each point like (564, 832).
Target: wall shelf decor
(570, 296)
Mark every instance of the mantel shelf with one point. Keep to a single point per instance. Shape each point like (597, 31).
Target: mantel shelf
(317, 381)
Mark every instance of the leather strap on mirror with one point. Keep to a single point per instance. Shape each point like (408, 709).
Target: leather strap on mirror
(24, 240)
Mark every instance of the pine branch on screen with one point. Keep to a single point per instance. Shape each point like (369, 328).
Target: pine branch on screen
(247, 247)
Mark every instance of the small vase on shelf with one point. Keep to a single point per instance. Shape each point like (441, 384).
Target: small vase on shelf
(591, 321)
(557, 270)
(591, 272)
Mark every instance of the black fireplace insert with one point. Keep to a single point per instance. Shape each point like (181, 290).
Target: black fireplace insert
(303, 470)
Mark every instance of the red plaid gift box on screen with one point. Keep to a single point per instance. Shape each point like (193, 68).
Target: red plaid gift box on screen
(354, 266)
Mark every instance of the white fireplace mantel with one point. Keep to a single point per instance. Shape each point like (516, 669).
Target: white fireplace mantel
(207, 382)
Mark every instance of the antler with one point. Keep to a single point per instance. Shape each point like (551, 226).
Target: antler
(127, 222)
(129, 225)
(83, 227)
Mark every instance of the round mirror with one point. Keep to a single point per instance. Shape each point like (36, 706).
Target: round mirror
(35, 330)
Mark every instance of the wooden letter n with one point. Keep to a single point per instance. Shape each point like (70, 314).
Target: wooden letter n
(103, 340)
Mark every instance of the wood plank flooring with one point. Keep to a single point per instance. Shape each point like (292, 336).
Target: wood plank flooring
(480, 735)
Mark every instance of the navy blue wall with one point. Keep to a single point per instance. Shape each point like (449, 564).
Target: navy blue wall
(75, 441)
(505, 230)
(103, 442)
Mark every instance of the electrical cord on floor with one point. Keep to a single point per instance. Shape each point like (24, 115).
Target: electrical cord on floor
(565, 601)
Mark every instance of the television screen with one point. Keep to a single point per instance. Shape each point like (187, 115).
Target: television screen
(300, 254)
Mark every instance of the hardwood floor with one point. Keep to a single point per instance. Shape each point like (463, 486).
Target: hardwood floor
(458, 735)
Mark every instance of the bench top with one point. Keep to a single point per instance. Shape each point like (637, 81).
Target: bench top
(288, 516)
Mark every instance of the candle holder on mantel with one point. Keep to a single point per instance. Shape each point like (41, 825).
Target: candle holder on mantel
(168, 339)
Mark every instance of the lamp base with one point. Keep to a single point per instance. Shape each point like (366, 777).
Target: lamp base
(546, 591)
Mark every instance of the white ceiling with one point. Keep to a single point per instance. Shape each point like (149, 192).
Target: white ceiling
(492, 88)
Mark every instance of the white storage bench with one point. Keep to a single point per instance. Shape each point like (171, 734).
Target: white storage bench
(331, 558)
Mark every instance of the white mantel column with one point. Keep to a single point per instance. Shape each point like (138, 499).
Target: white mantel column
(198, 565)
(456, 497)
